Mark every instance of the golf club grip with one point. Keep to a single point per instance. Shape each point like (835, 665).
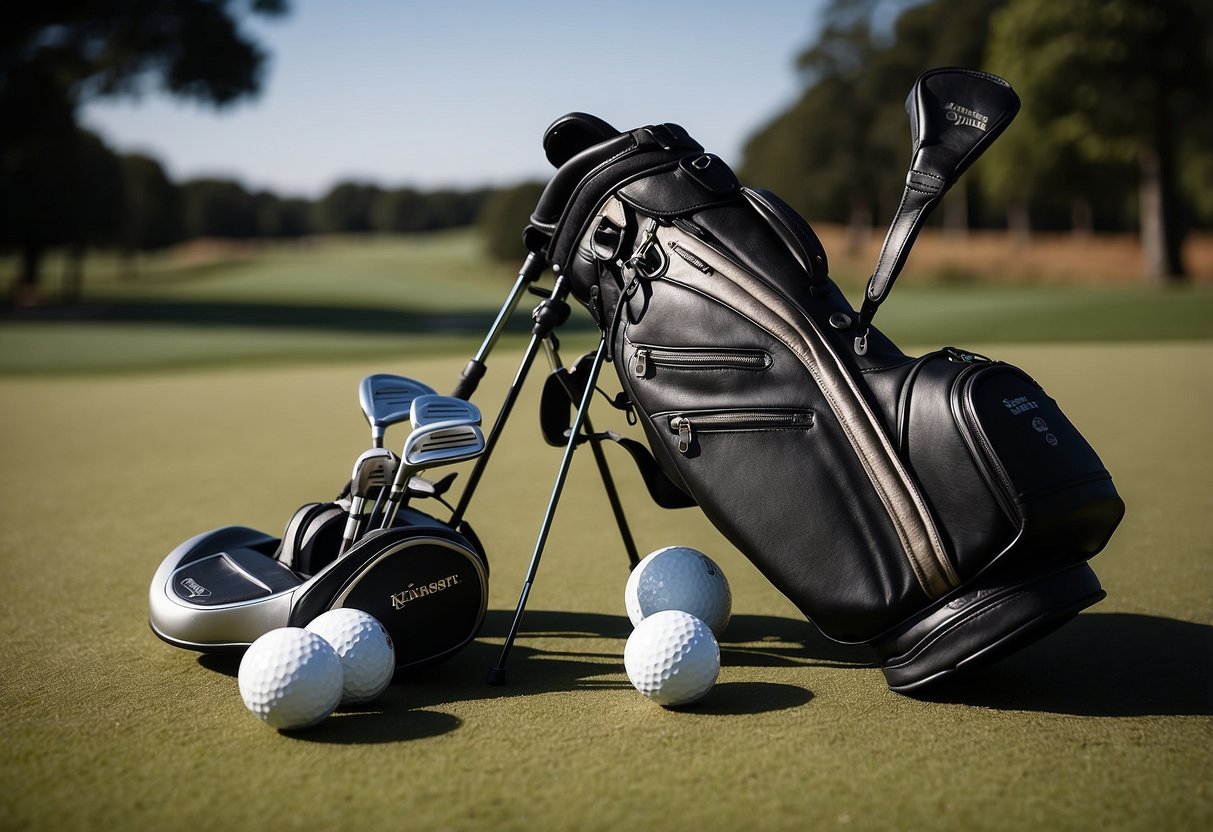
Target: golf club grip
(469, 380)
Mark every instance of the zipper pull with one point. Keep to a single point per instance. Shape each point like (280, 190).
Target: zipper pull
(683, 425)
(642, 362)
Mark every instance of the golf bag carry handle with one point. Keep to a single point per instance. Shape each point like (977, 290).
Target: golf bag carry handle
(955, 114)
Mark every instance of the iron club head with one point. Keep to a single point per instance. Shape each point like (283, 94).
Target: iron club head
(439, 443)
(426, 410)
(387, 400)
(374, 468)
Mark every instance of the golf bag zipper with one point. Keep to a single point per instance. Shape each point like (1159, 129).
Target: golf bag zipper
(686, 425)
(648, 356)
(703, 237)
(906, 507)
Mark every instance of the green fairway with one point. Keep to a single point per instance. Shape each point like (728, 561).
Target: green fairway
(1103, 725)
(386, 297)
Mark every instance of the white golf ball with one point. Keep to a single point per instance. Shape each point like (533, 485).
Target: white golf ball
(679, 578)
(291, 678)
(672, 658)
(368, 656)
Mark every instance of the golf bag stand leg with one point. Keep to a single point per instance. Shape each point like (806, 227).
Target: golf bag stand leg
(551, 313)
(604, 470)
(532, 269)
(497, 673)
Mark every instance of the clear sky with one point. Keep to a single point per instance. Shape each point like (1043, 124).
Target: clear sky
(429, 93)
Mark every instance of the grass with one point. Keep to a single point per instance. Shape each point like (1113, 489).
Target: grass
(1105, 724)
(383, 298)
(114, 453)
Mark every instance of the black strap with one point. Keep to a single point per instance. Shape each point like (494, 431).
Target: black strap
(663, 490)
(560, 390)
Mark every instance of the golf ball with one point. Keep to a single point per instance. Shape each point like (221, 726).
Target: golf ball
(672, 658)
(368, 656)
(291, 678)
(679, 578)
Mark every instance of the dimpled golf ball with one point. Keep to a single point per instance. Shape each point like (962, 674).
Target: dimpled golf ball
(679, 578)
(291, 678)
(368, 656)
(672, 658)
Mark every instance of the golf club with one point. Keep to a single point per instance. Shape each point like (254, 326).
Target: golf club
(428, 409)
(373, 469)
(439, 443)
(955, 114)
(386, 400)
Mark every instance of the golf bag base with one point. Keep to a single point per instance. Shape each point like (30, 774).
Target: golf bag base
(991, 619)
(426, 583)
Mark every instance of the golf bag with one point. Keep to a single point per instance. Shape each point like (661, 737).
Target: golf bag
(940, 508)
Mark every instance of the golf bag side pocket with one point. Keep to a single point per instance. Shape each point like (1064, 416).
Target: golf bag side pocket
(1002, 464)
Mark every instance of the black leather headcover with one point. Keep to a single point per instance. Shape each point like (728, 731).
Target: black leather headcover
(955, 114)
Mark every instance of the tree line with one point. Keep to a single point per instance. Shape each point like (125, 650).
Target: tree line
(156, 212)
(1115, 132)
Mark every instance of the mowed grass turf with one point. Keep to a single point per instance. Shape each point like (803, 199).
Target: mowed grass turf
(1103, 725)
(337, 299)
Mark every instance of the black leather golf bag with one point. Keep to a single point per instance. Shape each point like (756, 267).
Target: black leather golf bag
(941, 508)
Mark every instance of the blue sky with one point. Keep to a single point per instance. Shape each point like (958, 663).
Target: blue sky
(459, 93)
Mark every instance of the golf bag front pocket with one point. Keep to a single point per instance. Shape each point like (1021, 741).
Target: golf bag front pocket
(1002, 464)
(742, 425)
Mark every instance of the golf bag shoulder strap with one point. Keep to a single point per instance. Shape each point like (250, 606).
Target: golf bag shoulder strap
(955, 114)
(698, 181)
(561, 390)
(662, 489)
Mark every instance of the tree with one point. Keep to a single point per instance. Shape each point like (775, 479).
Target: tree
(348, 208)
(839, 152)
(219, 208)
(152, 211)
(54, 55)
(400, 211)
(505, 215)
(1115, 80)
(63, 191)
(282, 217)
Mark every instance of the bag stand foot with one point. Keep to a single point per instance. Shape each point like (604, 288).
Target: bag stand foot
(994, 618)
(496, 675)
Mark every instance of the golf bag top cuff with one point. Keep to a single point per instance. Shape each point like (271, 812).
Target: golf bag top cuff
(572, 133)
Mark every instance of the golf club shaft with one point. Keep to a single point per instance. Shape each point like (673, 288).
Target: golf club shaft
(559, 292)
(531, 270)
(497, 674)
(395, 499)
(352, 524)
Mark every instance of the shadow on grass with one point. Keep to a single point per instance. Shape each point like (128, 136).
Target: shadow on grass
(543, 661)
(365, 320)
(1100, 664)
(392, 717)
(1113, 664)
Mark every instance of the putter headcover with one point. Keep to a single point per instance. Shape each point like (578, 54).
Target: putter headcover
(425, 582)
